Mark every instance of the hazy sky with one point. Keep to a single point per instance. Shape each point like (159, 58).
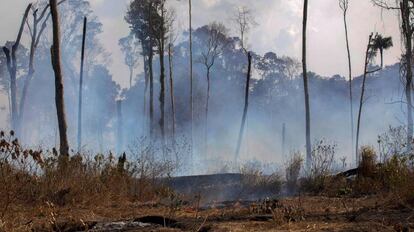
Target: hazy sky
(278, 29)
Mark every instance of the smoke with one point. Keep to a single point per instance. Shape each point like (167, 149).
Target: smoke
(276, 99)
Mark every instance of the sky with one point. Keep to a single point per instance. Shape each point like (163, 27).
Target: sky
(278, 29)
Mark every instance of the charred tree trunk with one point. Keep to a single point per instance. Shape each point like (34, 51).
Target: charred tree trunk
(12, 69)
(119, 133)
(81, 86)
(59, 90)
(191, 80)
(207, 105)
(283, 139)
(407, 33)
(170, 64)
(306, 89)
(162, 95)
(151, 72)
(246, 105)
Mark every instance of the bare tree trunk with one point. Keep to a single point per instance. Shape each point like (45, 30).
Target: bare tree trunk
(131, 74)
(170, 64)
(119, 133)
(306, 90)
(283, 140)
(207, 104)
(246, 105)
(351, 106)
(361, 100)
(151, 53)
(59, 90)
(30, 73)
(12, 69)
(407, 32)
(85, 20)
(162, 93)
(146, 70)
(191, 80)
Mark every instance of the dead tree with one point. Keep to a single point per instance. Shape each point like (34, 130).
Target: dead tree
(12, 69)
(59, 89)
(119, 132)
(214, 46)
(244, 21)
(246, 105)
(374, 44)
(283, 140)
(81, 86)
(170, 65)
(306, 89)
(35, 35)
(344, 4)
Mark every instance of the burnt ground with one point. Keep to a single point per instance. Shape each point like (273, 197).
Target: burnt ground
(216, 211)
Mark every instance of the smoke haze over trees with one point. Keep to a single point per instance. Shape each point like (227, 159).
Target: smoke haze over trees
(276, 93)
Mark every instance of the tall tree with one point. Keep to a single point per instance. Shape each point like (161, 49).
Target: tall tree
(35, 34)
(374, 44)
(141, 16)
(59, 89)
(244, 21)
(406, 10)
(190, 31)
(344, 5)
(306, 89)
(129, 47)
(12, 69)
(213, 46)
(85, 20)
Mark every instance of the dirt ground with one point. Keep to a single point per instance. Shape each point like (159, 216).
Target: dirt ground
(371, 213)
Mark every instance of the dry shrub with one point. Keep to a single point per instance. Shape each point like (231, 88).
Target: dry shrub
(293, 171)
(30, 179)
(317, 178)
(254, 180)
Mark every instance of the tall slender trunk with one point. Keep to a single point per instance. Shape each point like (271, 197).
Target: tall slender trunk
(151, 55)
(162, 92)
(246, 105)
(207, 105)
(306, 90)
(59, 90)
(361, 100)
(408, 34)
(351, 105)
(85, 20)
(131, 74)
(146, 70)
(283, 140)
(170, 64)
(29, 74)
(12, 69)
(119, 133)
(191, 80)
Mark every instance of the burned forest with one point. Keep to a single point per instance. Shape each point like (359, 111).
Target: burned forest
(206, 115)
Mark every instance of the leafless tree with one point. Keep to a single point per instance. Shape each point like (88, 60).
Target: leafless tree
(12, 69)
(59, 89)
(306, 89)
(344, 5)
(244, 21)
(81, 86)
(214, 45)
